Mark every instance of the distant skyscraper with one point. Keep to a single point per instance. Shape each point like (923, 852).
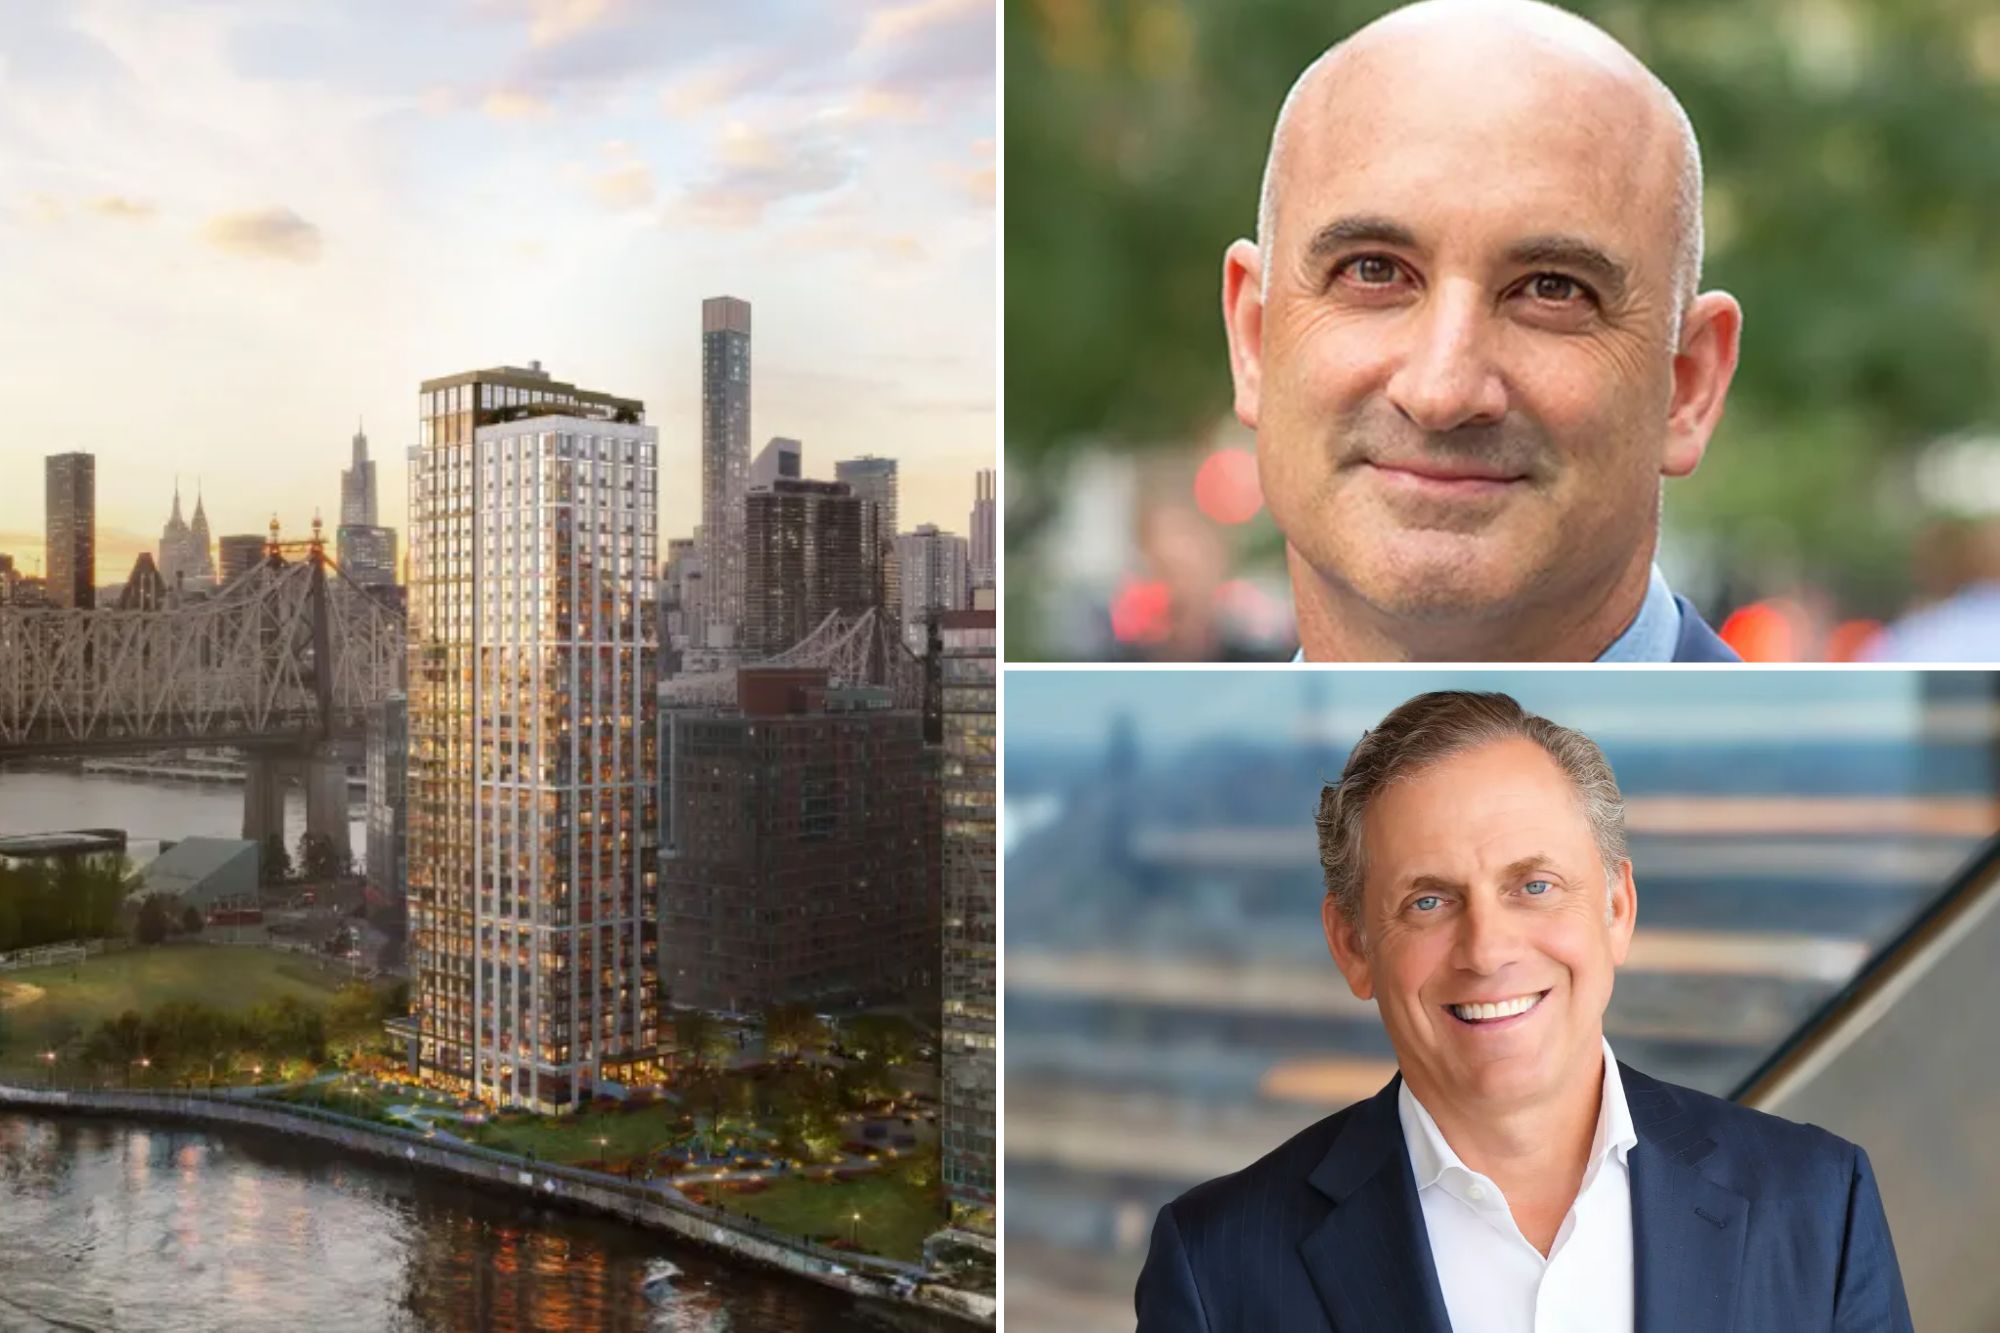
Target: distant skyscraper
(388, 812)
(240, 552)
(936, 573)
(780, 458)
(366, 555)
(798, 868)
(970, 742)
(985, 535)
(532, 784)
(145, 590)
(71, 530)
(725, 463)
(809, 552)
(357, 487)
(9, 577)
(186, 561)
(680, 600)
(874, 480)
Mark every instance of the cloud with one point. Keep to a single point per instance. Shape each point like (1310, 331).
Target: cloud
(559, 20)
(118, 206)
(756, 169)
(702, 91)
(979, 181)
(268, 233)
(885, 104)
(899, 23)
(626, 183)
(515, 104)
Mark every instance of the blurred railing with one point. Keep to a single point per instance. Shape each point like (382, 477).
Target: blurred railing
(1904, 1061)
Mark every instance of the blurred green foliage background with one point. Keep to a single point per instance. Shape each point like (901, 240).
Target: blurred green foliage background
(1852, 150)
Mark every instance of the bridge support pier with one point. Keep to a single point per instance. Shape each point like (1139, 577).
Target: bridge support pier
(325, 776)
(263, 797)
(321, 772)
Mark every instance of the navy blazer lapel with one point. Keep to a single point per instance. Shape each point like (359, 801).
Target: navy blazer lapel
(1688, 1232)
(1370, 1260)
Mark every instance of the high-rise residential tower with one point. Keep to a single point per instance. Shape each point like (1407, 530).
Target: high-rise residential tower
(532, 781)
(725, 463)
(70, 495)
(936, 572)
(968, 644)
(874, 480)
(985, 533)
(781, 458)
(799, 829)
(357, 487)
(809, 551)
(240, 552)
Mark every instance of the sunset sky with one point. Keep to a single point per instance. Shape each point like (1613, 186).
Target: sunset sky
(228, 229)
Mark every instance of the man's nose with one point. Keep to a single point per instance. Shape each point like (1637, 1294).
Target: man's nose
(1447, 377)
(1488, 939)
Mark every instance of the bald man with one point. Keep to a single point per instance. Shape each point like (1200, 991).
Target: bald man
(1470, 340)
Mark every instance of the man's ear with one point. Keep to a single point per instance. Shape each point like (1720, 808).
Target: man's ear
(1623, 911)
(1343, 941)
(1704, 364)
(1243, 319)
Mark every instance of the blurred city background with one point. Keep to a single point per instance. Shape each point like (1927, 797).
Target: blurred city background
(1171, 1010)
(1850, 171)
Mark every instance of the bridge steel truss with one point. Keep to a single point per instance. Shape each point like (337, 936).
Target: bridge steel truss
(288, 652)
(854, 650)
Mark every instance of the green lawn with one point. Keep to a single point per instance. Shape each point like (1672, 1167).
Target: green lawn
(360, 1100)
(573, 1139)
(895, 1214)
(39, 1002)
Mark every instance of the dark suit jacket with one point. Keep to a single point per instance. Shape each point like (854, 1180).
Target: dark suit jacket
(1741, 1223)
(1699, 643)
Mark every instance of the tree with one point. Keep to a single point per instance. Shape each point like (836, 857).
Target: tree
(355, 1013)
(191, 920)
(317, 859)
(153, 921)
(791, 1030)
(881, 1038)
(698, 1038)
(275, 866)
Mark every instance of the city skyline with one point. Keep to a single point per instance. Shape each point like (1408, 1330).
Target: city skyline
(258, 296)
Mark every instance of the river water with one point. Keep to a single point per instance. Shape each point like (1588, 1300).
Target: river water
(49, 801)
(106, 1225)
(112, 1226)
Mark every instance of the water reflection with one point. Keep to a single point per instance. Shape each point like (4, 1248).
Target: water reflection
(111, 1226)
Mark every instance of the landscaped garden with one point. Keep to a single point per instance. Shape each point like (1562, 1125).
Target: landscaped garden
(148, 1016)
(887, 1211)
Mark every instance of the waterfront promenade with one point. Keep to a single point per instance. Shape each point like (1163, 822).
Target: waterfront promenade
(654, 1206)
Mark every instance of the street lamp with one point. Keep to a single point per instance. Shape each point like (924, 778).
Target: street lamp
(49, 1058)
(854, 1229)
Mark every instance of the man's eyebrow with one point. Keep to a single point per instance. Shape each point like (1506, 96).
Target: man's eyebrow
(1525, 865)
(1446, 884)
(1573, 253)
(1361, 228)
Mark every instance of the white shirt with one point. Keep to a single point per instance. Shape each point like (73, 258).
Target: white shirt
(1494, 1281)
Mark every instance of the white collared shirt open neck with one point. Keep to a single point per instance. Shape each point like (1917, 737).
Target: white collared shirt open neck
(1493, 1279)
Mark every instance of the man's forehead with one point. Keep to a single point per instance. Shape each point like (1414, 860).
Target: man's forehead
(1443, 111)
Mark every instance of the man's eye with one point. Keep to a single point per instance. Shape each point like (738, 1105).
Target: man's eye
(1556, 288)
(1429, 902)
(1371, 270)
(1537, 886)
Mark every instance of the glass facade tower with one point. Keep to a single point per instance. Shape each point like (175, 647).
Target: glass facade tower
(725, 463)
(71, 516)
(967, 647)
(533, 779)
